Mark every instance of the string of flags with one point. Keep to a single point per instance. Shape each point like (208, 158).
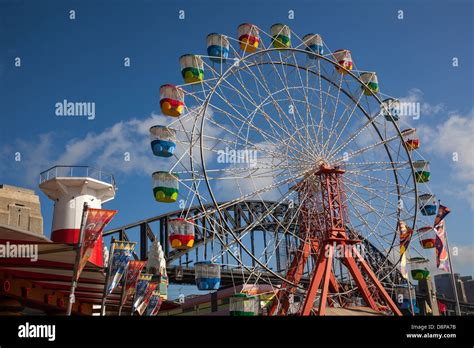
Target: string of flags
(122, 252)
(145, 290)
(441, 249)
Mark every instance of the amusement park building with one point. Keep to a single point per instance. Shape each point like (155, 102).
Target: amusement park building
(39, 283)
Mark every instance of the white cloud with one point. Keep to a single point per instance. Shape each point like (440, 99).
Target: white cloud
(108, 148)
(254, 178)
(454, 137)
(105, 149)
(415, 95)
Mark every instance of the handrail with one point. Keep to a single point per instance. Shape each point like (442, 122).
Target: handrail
(76, 171)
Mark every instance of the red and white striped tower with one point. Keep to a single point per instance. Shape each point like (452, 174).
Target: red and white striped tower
(70, 187)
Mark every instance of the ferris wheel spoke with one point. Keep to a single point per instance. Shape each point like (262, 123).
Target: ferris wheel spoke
(259, 219)
(273, 167)
(194, 193)
(363, 150)
(351, 138)
(333, 129)
(323, 105)
(383, 242)
(335, 105)
(243, 154)
(392, 194)
(360, 201)
(311, 104)
(266, 135)
(249, 176)
(406, 189)
(286, 231)
(280, 112)
(327, 94)
(320, 89)
(376, 166)
(305, 88)
(373, 195)
(179, 124)
(292, 102)
(348, 119)
(245, 140)
(258, 81)
(276, 136)
(243, 118)
(263, 190)
(374, 192)
(249, 173)
(264, 84)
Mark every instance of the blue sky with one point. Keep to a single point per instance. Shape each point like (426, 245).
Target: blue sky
(82, 60)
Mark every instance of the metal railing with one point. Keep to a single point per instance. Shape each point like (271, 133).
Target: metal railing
(77, 171)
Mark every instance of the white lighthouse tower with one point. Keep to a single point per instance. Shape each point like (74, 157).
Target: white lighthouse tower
(70, 187)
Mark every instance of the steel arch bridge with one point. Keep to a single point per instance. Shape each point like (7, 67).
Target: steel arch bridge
(238, 216)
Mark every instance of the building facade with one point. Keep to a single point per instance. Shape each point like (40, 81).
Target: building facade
(20, 208)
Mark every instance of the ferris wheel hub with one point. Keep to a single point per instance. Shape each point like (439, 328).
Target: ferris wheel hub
(325, 168)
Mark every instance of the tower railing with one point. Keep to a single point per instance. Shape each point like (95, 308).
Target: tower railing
(76, 171)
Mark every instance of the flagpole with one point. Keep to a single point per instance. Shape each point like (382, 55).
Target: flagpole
(411, 298)
(77, 261)
(134, 297)
(107, 277)
(133, 300)
(405, 257)
(455, 289)
(409, 289)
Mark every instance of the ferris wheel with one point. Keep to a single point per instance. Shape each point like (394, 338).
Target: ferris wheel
(287, 122)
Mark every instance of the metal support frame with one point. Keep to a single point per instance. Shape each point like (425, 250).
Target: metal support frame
(323, 227)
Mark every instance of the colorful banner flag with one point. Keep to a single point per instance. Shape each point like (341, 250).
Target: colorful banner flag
(154, 304)
(403, 266)
(140, 291)
(123, 251)
(442, 212)
(146, 299)
(96, 221)
(405, 237)
(133, 271)
(442, 261)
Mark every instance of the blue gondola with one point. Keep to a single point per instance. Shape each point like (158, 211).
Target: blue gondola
(163, 141)
(208, 275)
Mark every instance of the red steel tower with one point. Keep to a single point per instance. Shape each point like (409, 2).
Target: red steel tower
(322, 228)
